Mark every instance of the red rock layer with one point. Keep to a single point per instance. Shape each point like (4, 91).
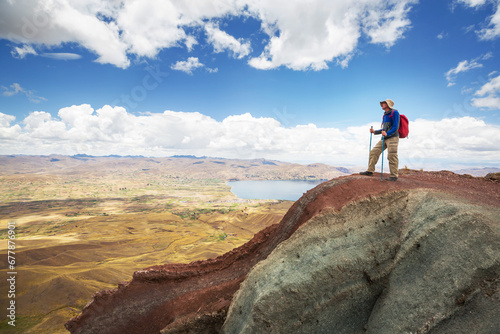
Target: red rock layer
(173, 295)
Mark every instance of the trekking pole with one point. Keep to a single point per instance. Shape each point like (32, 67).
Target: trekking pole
(371, 139)
(382, 173)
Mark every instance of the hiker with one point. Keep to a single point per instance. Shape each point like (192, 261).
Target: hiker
(389, 131)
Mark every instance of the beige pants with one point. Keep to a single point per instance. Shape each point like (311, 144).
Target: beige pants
(392, 147)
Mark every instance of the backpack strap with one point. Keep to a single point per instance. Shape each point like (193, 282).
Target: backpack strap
(391, 116)
(382, 124)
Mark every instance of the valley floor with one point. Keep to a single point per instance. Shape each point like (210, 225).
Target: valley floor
(76, 234)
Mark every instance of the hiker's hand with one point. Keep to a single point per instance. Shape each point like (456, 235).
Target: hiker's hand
(371, 130)
(384, 133)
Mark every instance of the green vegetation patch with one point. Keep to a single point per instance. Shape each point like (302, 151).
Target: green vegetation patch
(194, 214)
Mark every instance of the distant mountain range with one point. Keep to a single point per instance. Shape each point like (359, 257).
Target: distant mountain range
(477, 171)
(176, 166)
(188, 166)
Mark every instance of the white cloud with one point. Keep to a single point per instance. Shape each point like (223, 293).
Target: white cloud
(84, 26)
(187, 66)
(61, 55)
(301, 34)
(113, 30)
(449, 143)
(54, 22)
(148, 26)
(6, 130)
(190, 42)
(40, 125)
(223, 41)
(491, 87)
(489, 95)
(442, 35)
(462, 66)
(494, 26)
(308, 35)
(387, 25)
(492, 31)
(465, 66)
(112, 130)
(212, 70)
(16, 88)
(473, 3)
(21, 52)
(489, 102)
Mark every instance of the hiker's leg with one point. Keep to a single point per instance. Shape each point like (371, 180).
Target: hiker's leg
(374, 155)
(392, 155)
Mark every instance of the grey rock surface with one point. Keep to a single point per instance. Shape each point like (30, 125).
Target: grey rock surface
(413, 261)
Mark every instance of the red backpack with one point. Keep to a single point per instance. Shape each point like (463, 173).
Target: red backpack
(404, 128)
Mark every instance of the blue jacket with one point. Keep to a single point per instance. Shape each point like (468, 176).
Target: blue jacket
(390, 124)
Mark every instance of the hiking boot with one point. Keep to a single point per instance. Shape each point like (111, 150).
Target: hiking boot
(367, 173)
(392, 178)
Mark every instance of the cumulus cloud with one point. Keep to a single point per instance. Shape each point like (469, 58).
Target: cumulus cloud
(112, 30)
(112, 130)
(16, 88)
(465, 66)
(54, 22)
(223, 41)
(188, 65)
(466, 141)
(149, 26)
(40, 124)
(6, 130)
(488, 95)
(301, 35)
(308, 35)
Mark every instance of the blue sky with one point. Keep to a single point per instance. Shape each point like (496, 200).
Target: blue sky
(295, 81)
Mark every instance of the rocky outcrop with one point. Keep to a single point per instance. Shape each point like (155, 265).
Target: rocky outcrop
(493, 176)
(352, 255)
(407, 262)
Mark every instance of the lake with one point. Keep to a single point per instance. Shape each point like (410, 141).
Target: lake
(279, 190)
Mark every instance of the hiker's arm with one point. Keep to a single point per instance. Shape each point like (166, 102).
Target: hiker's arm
(377, 132)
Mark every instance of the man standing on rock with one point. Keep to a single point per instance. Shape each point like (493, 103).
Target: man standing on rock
(390, 125)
